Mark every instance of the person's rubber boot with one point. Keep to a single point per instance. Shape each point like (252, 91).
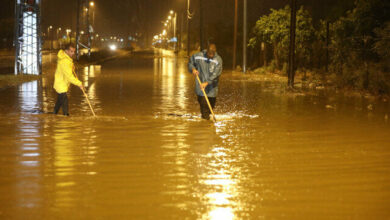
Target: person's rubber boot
(207, 117)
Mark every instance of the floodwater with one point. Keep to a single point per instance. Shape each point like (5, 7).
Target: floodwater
(148, 155)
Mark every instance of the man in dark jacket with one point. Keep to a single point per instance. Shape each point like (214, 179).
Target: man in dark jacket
(207, 65)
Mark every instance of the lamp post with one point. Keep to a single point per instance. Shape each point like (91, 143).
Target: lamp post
(58, 39)
(291, 55)
(50, 36)
(201, 24)
(173, 18)
(68, 31)
(88, 28)
(244, 38)
(189, 17)
(92, 4)
(235, 33)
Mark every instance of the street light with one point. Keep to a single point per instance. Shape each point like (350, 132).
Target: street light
(51, 36)
(48, 30)
(58, 41)
(92, 4)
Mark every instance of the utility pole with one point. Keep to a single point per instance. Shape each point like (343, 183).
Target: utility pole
(88, 31)
(244, 39)
(78, 31)
(180, 37)
(327, 46)
(175, 30)
(200, 25)
(235, 33)
(189, 17)
(291, 63)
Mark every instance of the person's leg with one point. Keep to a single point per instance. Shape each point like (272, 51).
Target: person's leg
(60, 100)
(212, 100)
(65, 105)
(204, 109)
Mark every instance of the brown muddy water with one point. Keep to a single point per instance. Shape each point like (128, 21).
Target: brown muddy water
(148, 155)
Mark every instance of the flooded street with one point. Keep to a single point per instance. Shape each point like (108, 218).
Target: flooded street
(149, 155)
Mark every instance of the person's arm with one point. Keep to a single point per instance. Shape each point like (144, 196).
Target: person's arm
(67, 69)
(192, 65)
(217, 72)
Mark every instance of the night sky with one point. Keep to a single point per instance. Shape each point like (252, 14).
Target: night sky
(120, 17)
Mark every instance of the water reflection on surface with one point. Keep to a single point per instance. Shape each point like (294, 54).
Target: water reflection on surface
(148, 155)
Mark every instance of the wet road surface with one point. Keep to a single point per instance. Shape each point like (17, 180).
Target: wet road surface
(148, 155)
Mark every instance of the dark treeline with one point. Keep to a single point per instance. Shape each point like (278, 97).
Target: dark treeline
(354, 47)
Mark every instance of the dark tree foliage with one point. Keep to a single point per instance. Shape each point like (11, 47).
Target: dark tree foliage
(358, 46)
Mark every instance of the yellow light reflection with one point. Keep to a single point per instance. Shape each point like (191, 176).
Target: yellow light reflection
(222, 186)
(63, 142)
(221, 214)
(170, 75)
(219, 198)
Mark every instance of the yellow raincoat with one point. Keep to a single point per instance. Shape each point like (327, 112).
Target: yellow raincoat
(64, 73)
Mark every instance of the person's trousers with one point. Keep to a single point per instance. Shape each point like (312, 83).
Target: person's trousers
(204, 108)
(62, 101)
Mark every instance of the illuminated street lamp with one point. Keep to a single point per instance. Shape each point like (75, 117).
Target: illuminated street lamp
(50, 36)
(68, 31)
(58, 30)
(48, 30)
(92, 4)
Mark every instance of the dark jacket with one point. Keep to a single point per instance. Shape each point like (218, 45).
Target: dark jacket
(209, 71)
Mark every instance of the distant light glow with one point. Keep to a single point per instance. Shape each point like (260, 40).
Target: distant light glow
(113, 47)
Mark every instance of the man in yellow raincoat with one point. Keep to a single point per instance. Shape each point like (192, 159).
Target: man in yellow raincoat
(64, 77)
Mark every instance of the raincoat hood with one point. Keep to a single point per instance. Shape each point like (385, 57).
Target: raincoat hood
(62, 55)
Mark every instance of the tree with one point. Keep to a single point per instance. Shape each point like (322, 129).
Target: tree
(273, 29)
(355, 37)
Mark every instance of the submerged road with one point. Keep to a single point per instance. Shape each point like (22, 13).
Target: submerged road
(148, 155)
